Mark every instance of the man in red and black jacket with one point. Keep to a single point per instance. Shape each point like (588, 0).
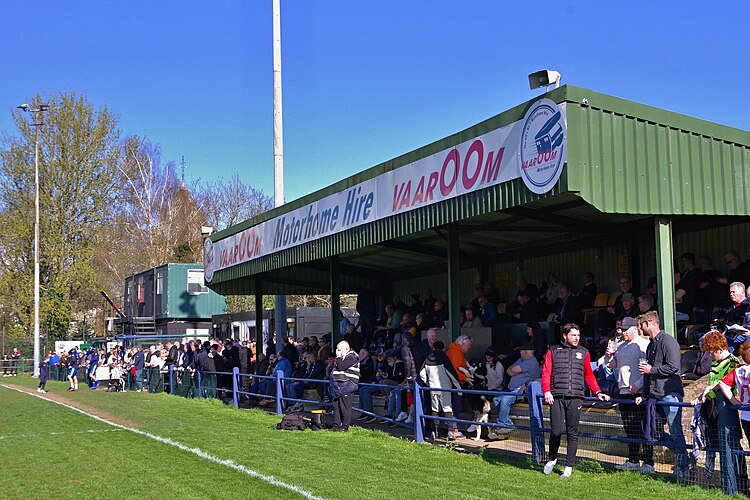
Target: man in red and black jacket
(566, 366)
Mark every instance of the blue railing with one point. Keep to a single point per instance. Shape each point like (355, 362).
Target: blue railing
(422, 416)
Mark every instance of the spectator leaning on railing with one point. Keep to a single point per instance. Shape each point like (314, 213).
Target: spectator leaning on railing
(722, 421)
(662, 382)
(625, 359)
(736, 384)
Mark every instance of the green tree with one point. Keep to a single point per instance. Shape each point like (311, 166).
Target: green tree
(79, 151)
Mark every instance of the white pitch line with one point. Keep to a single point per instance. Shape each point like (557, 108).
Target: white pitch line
(89, 431)
(195, 451)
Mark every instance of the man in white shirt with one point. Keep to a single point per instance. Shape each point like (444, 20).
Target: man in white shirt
(625, 359)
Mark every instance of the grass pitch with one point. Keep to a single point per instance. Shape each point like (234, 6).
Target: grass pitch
(48, 450)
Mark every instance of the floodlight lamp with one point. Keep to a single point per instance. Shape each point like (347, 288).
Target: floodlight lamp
(544, 78)
(24, 107)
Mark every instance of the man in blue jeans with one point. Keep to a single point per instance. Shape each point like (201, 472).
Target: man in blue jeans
(521, 373)
(661, 382)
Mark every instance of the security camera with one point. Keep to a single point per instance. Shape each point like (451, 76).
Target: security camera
(23, 106)
(207, 230)
(544, 78)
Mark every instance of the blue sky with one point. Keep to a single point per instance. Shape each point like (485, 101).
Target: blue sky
(363, 82)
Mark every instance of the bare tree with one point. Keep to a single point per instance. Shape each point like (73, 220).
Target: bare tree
(227, 203)
(157, 221)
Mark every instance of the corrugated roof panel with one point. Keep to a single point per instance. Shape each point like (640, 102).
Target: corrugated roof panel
(629, 158)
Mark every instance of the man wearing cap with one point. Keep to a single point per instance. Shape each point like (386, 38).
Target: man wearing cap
(625, 359)
(566, 367)
(628, 307)
(521, 373)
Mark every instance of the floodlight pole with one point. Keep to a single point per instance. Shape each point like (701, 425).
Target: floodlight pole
(278, 160)
(36, 124)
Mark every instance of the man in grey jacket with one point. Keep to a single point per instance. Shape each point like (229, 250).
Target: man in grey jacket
(662, 382)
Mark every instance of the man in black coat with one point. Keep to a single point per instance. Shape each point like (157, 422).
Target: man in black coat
(290, 351)
(139, 361)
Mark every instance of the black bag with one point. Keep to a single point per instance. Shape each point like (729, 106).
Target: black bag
(338, 389)
(292, 422)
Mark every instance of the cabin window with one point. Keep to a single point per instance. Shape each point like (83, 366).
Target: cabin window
(195, 283)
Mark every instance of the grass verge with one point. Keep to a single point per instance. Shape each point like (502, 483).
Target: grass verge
(359, 464)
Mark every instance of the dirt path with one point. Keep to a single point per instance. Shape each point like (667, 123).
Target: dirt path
(76, 404)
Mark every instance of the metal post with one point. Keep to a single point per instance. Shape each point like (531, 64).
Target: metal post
(278, 155)
(171, 380)
(335, 286)
(38, 110)
(37, 356)
(200, 384)
(259, 347)
(454, 306)
(665, 274)
(235, 386)
(418, 414)
(536, 421)
(279, 393)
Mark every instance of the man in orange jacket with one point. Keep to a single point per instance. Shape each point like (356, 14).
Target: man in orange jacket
(457, 354)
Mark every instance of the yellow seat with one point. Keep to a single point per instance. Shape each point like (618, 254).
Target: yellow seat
(601, 300)
(502, 308)
(613, 298)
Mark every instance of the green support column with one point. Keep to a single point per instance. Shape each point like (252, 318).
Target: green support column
(454, 306)
(258, 321)
(665, 273)
(335, 302)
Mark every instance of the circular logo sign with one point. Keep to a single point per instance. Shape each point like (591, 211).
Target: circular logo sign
(543, 149)
(208, 259)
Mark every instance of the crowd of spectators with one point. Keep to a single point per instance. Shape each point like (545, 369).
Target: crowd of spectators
(638, 363)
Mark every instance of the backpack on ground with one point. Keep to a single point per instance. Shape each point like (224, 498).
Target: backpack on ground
(292, 422)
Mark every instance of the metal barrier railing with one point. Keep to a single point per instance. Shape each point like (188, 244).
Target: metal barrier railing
(16, 367)
(530, 422)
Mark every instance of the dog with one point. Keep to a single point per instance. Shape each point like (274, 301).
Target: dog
(479, 371)
(480, 417)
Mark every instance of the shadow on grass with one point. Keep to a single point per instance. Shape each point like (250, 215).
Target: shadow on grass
(525, 462)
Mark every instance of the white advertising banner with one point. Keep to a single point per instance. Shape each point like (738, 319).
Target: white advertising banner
(534, 148)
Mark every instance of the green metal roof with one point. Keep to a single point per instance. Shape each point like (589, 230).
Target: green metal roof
(626, 162)
(626, 157)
